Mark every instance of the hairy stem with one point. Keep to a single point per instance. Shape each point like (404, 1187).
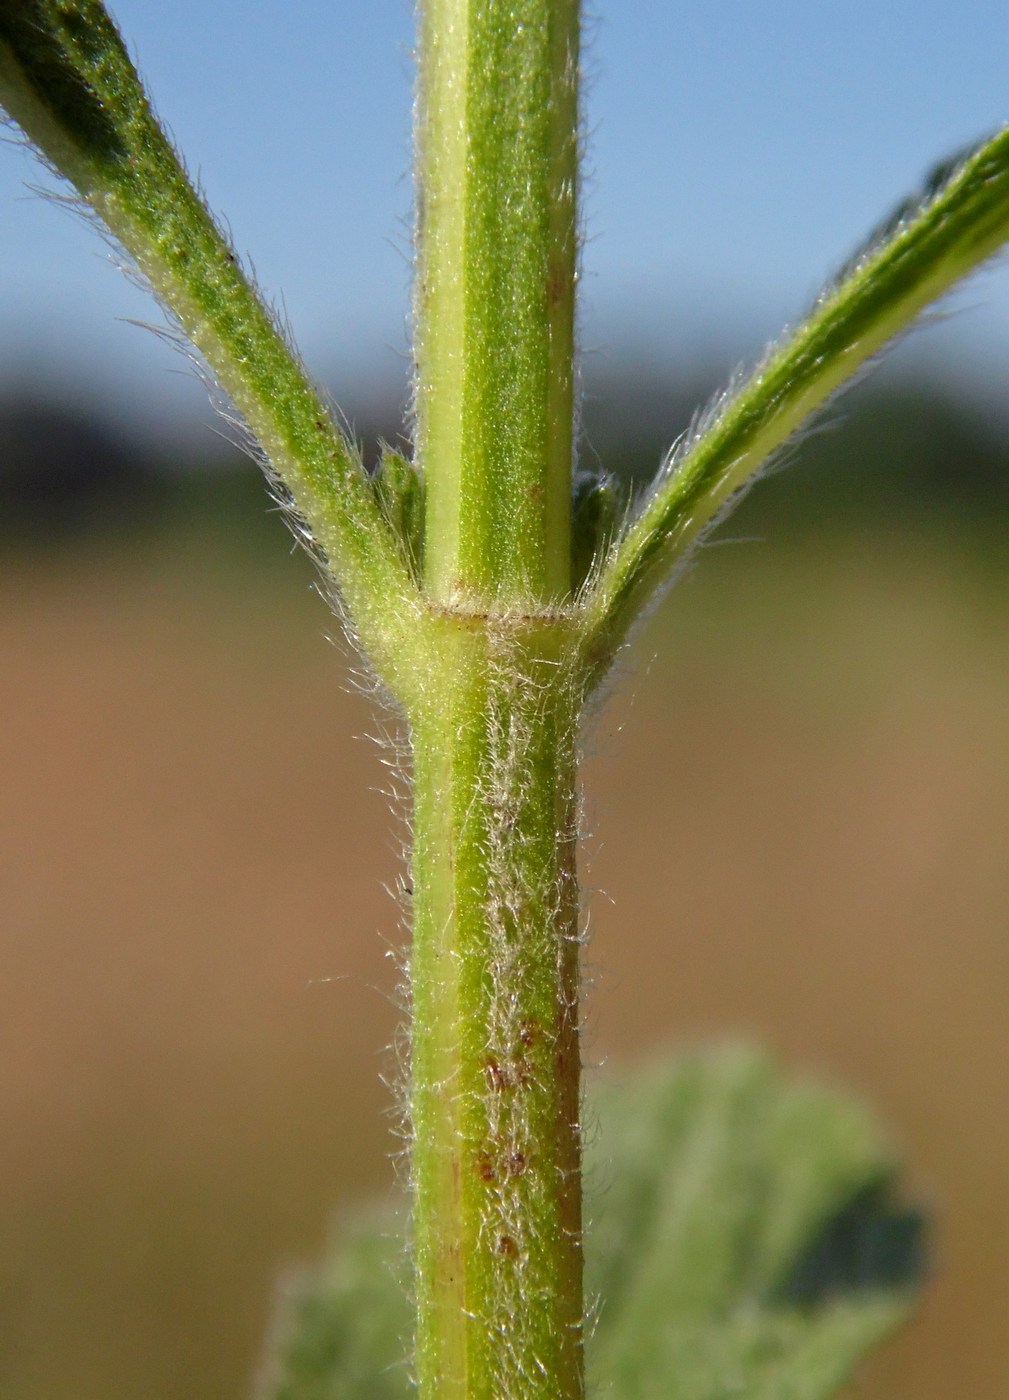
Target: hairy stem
(495, 1067)
(67, 80)
(495, 1096)
(497, 148)
(961, 220)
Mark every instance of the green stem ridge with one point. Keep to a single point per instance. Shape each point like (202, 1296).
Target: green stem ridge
(495, 1097)
(963, 220)
(495, 1061)
(67, 80)
(497, 149)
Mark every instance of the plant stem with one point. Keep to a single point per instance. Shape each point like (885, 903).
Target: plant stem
(497, 149)
(495, 1101)
(495, 1067)
(933, 240)
(67, 79)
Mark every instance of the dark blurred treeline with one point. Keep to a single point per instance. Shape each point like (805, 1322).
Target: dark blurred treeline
(901, 449)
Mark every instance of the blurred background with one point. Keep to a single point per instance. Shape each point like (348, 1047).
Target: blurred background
(798, 802)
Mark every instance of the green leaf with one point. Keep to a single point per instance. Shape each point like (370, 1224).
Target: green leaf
(743, 1245)
(744, 1242)
(399, 487)
(342, 1330)
(594, 520)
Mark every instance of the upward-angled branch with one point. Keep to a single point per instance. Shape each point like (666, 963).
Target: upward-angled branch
(67, 81)
(962, 219)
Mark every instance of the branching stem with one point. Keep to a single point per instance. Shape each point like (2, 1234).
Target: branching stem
(470, 620)
(495, 1070)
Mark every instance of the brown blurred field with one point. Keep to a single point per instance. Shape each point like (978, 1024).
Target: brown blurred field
(799, 817)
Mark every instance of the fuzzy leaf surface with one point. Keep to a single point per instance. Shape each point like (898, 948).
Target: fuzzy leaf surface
(744, 1242)
(342, 1329)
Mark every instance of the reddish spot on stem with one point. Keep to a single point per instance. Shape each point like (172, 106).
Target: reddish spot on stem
(516, 1075)
(558, 282)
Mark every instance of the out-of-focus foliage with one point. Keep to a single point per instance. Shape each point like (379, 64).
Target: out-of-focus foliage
(742, 1242)
(342, 1330)
(745, 1241)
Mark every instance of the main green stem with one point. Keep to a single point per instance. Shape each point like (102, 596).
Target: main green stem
(497, 157)
(479, 638)
(495, 1043)
(494, 975)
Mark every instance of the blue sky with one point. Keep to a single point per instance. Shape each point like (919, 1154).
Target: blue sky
(737, 152)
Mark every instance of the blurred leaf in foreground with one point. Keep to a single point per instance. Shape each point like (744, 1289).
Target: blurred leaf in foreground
(744, 1240)
(743, 1243)
(342, 1330)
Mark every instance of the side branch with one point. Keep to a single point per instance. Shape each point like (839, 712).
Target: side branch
(68, 82)
(927, 247)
